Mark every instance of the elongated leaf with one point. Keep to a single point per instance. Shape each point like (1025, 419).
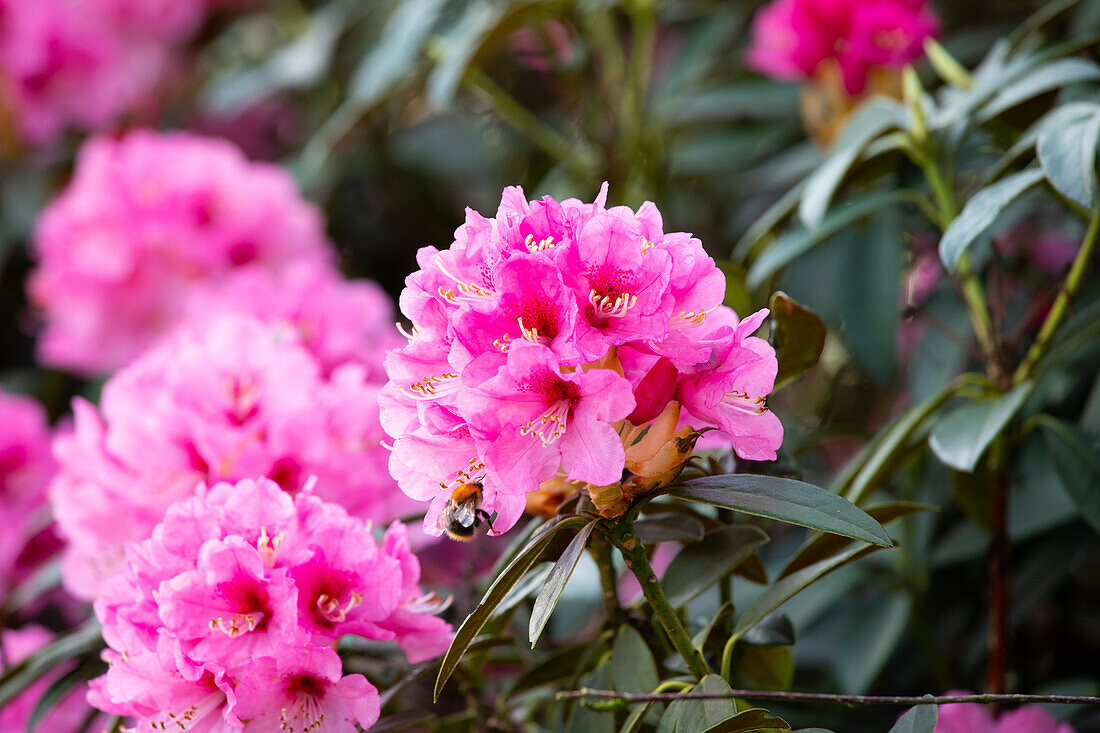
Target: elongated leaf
(668, 527)
(961, 438)
(1045, 78)
(981, 211)
(548, 597)
(767, 667)
(395, 53)
(702, 564)
(524, 589)
(775, 630)
(20, 676)
(699, 641)
(632, 665)
(871, 120)
(826, 545)
(503, 583)
(919, 719)
(560, 665)
(1057, 119)
(785, 500)
(798, 241)
(634, 721)
(753, 719)
(781, 590)
(768, 221)
(1068, 158)
(407, 720)
(698, 715)
(1076, 458)
(798, 335)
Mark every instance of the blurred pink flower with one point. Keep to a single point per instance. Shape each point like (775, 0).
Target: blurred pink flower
(25, 470)
(67, 715)
(226, 615)
(221, 399)
(145, 220)
(792, 37)
(975, 718)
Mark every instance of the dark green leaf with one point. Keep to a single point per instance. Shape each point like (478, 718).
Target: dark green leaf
(1076, 456)
(737, 296)
(702, 564)
(407, 720)
(503, 583)
(868, 122)
(752, 570)
(64, 648)
(562, 664)
(768, 221)
(699, 641)
(822, 546)
(524, 589)
(634, 721)
(632, 665)
(796, 241)
(1068, 158)
(586, 720)
(1045, 78)
(548, 597)
(395, 53)
(783, 589)
(1057, 119)
(668, 527)
(775, 630)
(684, 716)
(919, 719)
(798, 335)
(784, 500)
(753, 719)
(960, 439)
(981, 211)
(767, 667)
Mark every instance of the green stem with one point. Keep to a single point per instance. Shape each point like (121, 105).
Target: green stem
(601, 552)
(727, 658)
(1060, 309)
(509, 109)
(622, 536)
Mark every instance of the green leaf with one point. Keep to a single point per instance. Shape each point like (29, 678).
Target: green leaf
(560, 665)
(1076, 457)
(525, 588)
(960, 439)
(783, 589)
(768, 221)
(981, 211)
(753, 719)
(699, 641)
(548, 597)
(870, 120)
(1068, 158)
(394, 55)
(503, 583)
(1056, 119)
(1044, 78)
(822, 546)
(784, 500)
(18, 677)
(798, 335)
(684, 716)
(586, 720)
(797, 241)
(668, 527)
(752, 570)
(634, 721)
(775, 630)
(767, 667)
(702, 564)
(919, 719)
(632, 665)
(403, 721)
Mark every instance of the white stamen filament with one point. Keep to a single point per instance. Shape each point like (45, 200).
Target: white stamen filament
(741, 401)
(331, 609)
(609, 307)
(474, 473)
(531, 334)
(241, 623)
(305, 711)
(187, 718)
(647, 245)
(431, 386)
(410, 335)
(268, 545)
(430, 603)
(550, 425)
(464, 288)
(539, 246)
(690, 319)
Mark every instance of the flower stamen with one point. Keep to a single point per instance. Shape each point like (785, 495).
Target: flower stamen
(539, 246)
(608, 307)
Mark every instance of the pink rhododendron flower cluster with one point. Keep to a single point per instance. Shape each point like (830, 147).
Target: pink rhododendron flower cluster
(25, 470)
(541, 336)
(791, 38)
(220, 400)
(227, 616)
(68, 714)
(975, 718)
(145, 219)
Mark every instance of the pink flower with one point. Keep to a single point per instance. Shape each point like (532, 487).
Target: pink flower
(66, 63)
(67, 715)
(25, 470)
(146, 220)
(792, 37)
(225, 618)
(534, 338)
(222, 399)
(975, 718)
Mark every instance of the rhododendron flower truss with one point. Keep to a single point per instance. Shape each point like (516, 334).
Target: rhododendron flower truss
(222, 399)
(547, 340)
(227, 616)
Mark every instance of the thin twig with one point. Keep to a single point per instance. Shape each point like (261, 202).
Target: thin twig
(591, 694)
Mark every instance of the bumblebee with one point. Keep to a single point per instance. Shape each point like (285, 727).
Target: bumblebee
(463, 513)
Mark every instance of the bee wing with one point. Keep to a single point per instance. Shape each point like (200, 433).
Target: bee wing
(466, 513)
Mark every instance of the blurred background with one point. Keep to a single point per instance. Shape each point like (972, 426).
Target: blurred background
(394, 116)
